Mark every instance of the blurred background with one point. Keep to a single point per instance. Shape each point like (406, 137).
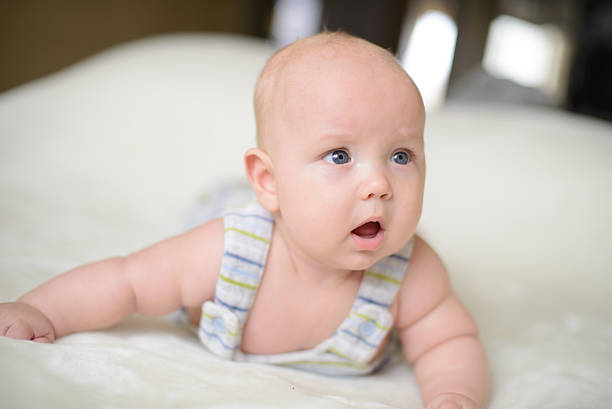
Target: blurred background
(547, 52)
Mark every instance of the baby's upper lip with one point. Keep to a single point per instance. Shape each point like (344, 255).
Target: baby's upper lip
(373, 219)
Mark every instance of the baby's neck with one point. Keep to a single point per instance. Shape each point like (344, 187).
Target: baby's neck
(304, 269)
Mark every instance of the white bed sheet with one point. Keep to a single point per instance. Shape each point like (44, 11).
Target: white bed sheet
(109, 155)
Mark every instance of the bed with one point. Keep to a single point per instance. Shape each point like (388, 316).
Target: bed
(113, 153)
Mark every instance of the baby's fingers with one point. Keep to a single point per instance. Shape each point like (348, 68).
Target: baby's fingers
(449, 405)
(21, 329)
(43, 340)
(452, 401)
(21, 321)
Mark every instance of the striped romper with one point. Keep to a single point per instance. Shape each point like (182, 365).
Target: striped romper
(349, 351)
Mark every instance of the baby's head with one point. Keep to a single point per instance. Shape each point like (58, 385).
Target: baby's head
(298, 65)
(340, 159)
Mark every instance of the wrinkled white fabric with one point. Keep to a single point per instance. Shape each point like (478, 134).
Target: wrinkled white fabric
(107, 156)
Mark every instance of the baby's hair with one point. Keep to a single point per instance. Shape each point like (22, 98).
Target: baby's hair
(330, 41)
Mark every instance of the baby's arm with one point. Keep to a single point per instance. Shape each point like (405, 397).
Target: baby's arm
(180, 271)
(439, 336)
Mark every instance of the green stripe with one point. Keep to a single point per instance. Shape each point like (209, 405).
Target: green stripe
(238, 283)
(365, 317)
(383, 277)
(246, 233)
(336, 352)
(210, 317)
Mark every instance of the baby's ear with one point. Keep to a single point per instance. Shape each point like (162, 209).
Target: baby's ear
(260, 172)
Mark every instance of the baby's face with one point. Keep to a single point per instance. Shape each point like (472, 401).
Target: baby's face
(347, 150)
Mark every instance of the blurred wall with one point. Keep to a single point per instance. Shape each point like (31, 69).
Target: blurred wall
(378, 21)
(40, 36)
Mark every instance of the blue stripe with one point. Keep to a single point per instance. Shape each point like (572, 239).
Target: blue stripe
(399, 257)
(230, 306)
(239, 271)
(369, 300)
(215, 336)
(246, 260)
(359, 338)
(267, 219)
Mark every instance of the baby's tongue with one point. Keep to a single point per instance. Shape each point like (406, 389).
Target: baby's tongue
(368, 229)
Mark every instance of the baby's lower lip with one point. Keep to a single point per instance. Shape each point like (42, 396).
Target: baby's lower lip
(368, 242)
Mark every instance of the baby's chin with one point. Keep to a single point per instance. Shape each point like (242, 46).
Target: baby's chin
(364, 259)
(361, 261)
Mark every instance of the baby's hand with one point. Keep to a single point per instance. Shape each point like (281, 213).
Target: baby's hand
(452, 401)
(22, 321)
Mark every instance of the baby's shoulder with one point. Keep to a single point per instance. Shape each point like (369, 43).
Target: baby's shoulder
(207, 238)
(425, 284)
(424, 261)
(201, 251)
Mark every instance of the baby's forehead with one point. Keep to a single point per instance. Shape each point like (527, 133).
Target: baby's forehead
(316, 66)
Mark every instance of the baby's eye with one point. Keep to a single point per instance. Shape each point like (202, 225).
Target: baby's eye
(337, 157)
(401, 157)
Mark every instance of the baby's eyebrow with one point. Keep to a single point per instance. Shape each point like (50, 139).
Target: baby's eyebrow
(332, 137)
(414, 134)
(410, 132)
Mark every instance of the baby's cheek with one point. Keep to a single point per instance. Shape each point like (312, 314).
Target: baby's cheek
(405, 222)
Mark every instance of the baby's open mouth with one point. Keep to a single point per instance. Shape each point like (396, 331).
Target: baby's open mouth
(367, 230)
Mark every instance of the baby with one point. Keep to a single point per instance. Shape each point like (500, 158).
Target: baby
(316, 273)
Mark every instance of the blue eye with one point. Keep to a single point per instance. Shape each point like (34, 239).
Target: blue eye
(337, 157)
(401, 157)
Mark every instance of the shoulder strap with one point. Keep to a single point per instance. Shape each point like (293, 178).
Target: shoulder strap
(247, 239)
(382, 281)
(360, 335)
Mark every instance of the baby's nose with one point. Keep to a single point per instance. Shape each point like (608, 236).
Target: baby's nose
(376, 185)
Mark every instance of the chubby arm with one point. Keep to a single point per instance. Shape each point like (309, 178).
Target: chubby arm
(180, 271)
(440, 337)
